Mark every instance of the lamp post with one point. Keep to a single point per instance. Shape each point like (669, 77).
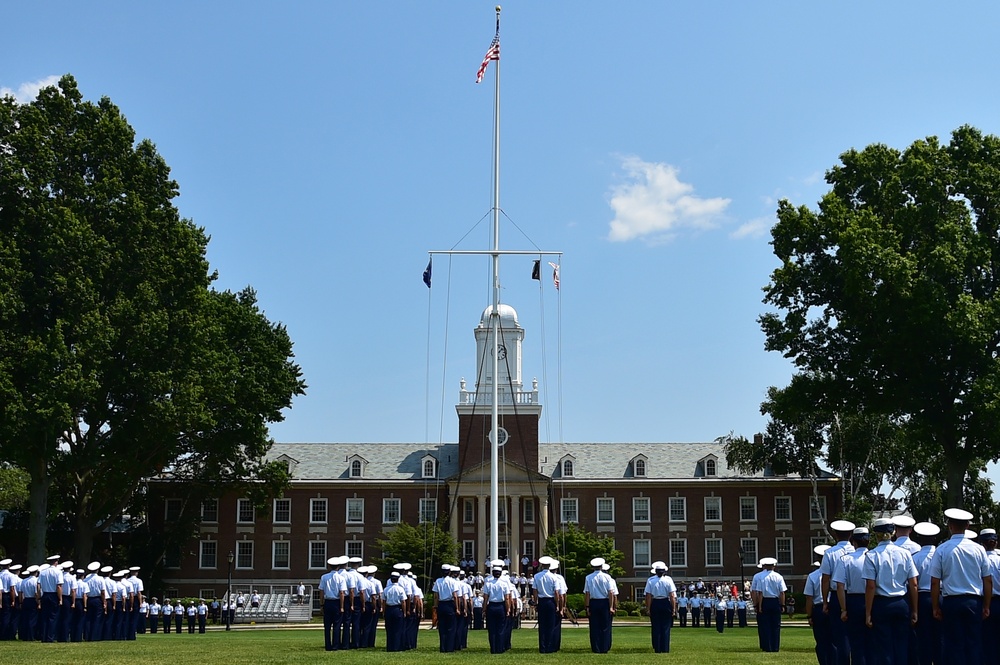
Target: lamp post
(229, 591)
(743, 578)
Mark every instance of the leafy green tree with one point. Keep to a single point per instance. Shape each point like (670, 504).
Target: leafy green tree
(889, 292)
(119, 360)
(13, 487)
(575, 547)
(426, 546)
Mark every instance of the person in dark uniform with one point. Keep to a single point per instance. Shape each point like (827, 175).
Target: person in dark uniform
(926, 642)
(849, 585)
(960, 580)
(840, 649)
(768, 592)
(818, 621)
(598, 599)
(661, 601)
(544, 591)
(395, 609)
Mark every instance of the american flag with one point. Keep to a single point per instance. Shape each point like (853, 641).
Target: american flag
(492, 54)
(555, 274)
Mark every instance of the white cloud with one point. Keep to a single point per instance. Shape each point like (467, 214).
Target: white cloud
(27, 92)
(653, 205)
(755, 228)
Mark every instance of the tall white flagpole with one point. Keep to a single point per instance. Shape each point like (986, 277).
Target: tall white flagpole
(495, 412)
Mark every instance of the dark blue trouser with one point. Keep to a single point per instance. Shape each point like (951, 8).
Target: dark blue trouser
(599, 618)
(890, 632)
(720, 620)
(961, 629)
(49, 616)
(63, 616)
(546, 624)
(76, 620)
(446, 625)
(496, 620)
(95, 619)
(769, 624)
(991, 632)
(821, 633)
(858, 635)
(393, 628)
(660, 615)
(331, 624)
(840, 648)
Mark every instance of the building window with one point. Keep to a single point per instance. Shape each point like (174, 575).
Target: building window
(713, 551)
(390, 511)
(529, 511)
(815, 542)
(355, 511)
(528, 547)
(317, 554)
(429, 468)
(567, 468)
(713, 508)
(678, 553)
(605, 509)
(468, 549)
(245, 511)
(468, 511)
(172, 557)
(641, 554)
(356, 469)
(639, 468)
(317, 511)
(568, 512)
(748, 509)
(428, 510)
(782, 509)
(502, 509)
(280, 558)
(678, 509)
(208, 557)
(210, 510)
(818, 512)
(710, 467)
(207, 594)
(172, 510)
(282, 511)
(640, 509)
(749, 546)
(783, 551)
(244, 554)
(356, 548)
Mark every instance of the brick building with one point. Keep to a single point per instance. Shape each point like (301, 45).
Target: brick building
(678, 502)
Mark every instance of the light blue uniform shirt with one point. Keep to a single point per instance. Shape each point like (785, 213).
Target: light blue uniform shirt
(660, 587)
(961, 566)
(831, 556)
(770, 583)
(599, 584)
(891, 567)
(545, 584)
(847, 572)
(394, 594)
(814, 586)
(907, 544)
(922, 561)
(993, 557)
(50, 579)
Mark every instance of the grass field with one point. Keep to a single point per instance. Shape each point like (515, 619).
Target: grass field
(631, 645)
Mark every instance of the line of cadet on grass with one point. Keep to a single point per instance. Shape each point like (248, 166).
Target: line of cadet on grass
(906, 602)
(54, 602)
(353, 600)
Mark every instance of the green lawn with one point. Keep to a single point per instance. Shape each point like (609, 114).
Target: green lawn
(631, 645)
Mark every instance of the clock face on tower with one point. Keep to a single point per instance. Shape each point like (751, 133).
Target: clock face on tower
(501, 352)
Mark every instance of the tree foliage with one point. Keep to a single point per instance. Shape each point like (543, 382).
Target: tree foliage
(426, 546)
(13, 487)
(575, 547)
(119, 360)
(888, 296)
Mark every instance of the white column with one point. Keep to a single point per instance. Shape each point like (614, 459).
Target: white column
(514, 543)
(481, 534)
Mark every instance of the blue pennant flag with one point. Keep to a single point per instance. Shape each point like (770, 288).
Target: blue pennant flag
(427, 273)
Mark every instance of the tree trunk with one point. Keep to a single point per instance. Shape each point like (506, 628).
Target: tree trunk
(38, 498)
(83, 537)
(955, 473)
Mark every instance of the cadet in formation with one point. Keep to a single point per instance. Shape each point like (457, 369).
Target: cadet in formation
(890, 597)
(768, 593)
(599, 600)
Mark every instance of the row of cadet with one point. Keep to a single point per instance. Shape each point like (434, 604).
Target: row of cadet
(909, 600)
(54, 602)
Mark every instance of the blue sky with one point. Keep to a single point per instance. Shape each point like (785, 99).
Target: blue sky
(327, 146)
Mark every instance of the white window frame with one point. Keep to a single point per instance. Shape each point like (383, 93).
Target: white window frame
(202, 554)
(676, 562)
(172, 514)
(279, 545)
(751, 555)
(424, 472)
(639, 467)
(672, 503)
(244, 549)
(354, 511)
(274, 511)
(817, 508)
(314, 507)
(317, 548)
(569, 511)
(609, 510)
(642, 553)
(243, 505)
(779, 550)
(398, 507)
(427, 509)
(354, 548)
(468, 549)
(710, 551)
(529, 510)
(641, 504)
(711, 467)
(787, 501)
(468, 511)
(751, 502)
(528, 549)
(206, 519)
(567, 465)
(716, 500)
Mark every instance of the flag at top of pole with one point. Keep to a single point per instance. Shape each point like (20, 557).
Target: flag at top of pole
(493, 53)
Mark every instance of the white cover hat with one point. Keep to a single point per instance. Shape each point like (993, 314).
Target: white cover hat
(958, 514)
(597, 562)
(842, 525)
(926, 529)
(904, 521)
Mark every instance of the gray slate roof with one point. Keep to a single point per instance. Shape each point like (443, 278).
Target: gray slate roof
(591, 461)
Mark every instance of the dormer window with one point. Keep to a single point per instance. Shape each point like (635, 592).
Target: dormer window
(428, 467)
(567, 468)
(639, 466)
(288, 462)
(710, 467)
(356, 466)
